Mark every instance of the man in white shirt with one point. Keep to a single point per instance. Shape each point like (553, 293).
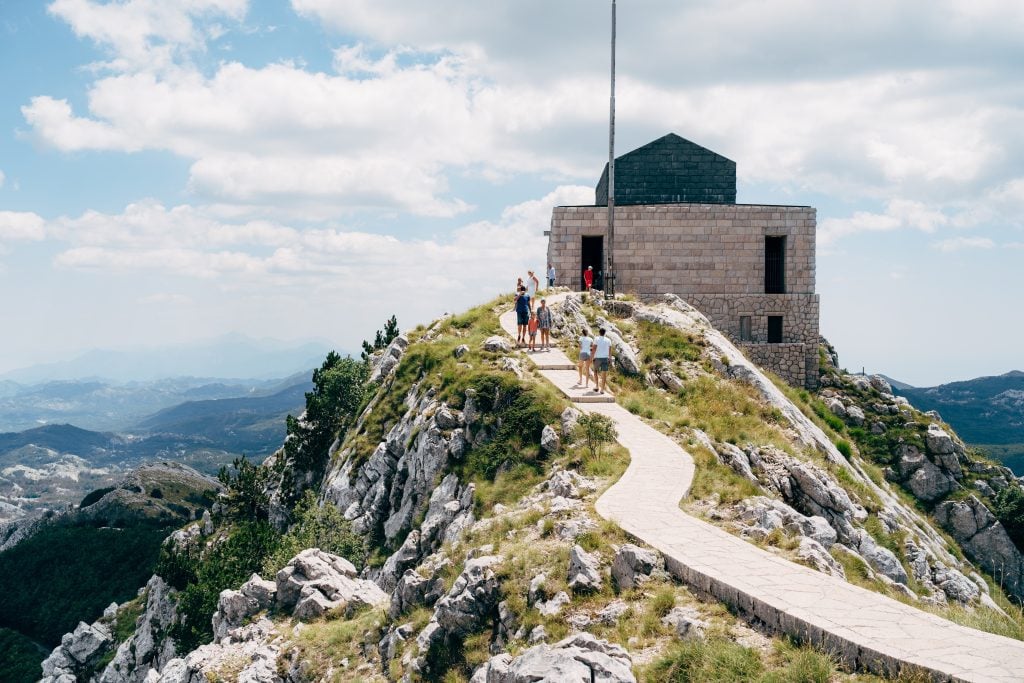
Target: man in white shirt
(602, 359)
(551, 276)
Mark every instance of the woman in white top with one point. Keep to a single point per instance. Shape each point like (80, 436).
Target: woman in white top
(532, 285)
(586, 349)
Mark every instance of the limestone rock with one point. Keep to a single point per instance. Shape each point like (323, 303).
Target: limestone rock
(537, 591)
(315, 582)
(815, 554)
(389, 359)
(446, 418)
(569, 418)
(610, 614)
(855, 415)
(633, 565)
(584, 570)
(497, 344)
(549, 440)
(686, 623)
(836, 406)
(512, 365)
(149, 647)
(984, 540)
(472, 597)
(460, 351)
(554, 605)
(881, 559)
(580, 658)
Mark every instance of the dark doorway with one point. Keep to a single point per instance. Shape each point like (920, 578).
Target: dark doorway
(775, 329)
(775, 265)
(593, 255)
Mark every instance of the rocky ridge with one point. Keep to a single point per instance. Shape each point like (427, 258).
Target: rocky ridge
(463, 587)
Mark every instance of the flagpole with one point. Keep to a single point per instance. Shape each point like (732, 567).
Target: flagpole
(609, 271)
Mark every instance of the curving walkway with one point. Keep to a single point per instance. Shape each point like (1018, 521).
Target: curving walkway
(866, 630)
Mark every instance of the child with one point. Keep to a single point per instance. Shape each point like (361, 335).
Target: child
(532, 326)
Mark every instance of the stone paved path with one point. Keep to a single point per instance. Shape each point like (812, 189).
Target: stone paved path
(867, 630)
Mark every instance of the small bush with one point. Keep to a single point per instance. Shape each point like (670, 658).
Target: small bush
(713, 660)
(844, 448)
(595, 431)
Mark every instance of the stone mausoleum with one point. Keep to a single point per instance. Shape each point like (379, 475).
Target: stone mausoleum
(749, 268)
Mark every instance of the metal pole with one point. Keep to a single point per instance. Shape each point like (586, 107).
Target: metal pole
(609, 271)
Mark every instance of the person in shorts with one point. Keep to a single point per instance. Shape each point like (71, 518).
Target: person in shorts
(551, 276)
(602, 359)
(522, 315)
(532, 327)
(544, 322)
(586, 348)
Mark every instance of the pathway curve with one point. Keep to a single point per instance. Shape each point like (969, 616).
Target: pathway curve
(867, 630)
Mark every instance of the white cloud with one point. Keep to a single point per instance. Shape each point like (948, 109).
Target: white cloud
(959, 243)
(146, 34)
(146, 237)
(2, 178)
(20, 225)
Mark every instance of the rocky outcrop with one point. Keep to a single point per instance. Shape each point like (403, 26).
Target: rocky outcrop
(315, 582)
(633, 566)
(984, 540)
(584, 570)
(383, 364)
(384, 495)
(234, 607)
(78, 653)
(251, 652)
(580, 658)
(148, 647)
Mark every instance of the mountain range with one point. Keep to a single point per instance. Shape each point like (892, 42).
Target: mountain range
(987, 412)
(232, 355)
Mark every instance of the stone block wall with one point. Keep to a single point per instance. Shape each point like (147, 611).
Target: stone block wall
(713, 256)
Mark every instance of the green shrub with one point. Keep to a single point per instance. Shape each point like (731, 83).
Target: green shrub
(1009, 509)
(844, 448)
(316, 526)
(595, 431)
(201, 574)
(19, 658)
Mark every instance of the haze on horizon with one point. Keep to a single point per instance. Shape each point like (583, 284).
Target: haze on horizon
(171, 172)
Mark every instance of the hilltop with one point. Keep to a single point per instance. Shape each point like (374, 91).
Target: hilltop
(449, 491)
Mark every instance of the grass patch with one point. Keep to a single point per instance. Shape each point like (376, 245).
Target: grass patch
(712, 477)
(324, 644)
(661, 342)
(127, 615)
(719, 659)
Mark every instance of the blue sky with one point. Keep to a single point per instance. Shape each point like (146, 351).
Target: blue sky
(178, 171)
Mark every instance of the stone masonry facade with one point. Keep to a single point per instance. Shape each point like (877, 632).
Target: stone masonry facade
(713, 256)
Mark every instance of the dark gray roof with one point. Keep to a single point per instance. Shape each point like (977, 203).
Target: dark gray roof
(670, 170)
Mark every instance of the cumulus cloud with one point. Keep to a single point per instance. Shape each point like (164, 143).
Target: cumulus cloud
(21, 226)
(960, 243)
(146, 34)
(483, 256)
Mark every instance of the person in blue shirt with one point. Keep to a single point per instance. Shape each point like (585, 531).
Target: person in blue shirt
(522, 314)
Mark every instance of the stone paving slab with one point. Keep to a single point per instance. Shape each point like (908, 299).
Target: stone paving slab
(865, 629)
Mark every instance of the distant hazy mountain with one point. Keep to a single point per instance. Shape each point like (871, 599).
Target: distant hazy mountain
(228, 356)
(987, 412)
(101, 406)
(54, 465)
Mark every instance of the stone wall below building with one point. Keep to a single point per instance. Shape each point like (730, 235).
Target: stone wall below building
(797, 364)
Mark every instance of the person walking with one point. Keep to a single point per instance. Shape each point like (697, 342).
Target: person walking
(602, 359)
(588, 277)
(551, 276)
(522, 315)
(544, 322)
(586, 343)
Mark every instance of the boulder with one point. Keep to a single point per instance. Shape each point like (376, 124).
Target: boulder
(497, 344)
(315, 582)
(815, 555)
(610, 614)
(584, 570)
(580, 658)
(881, 559)
(569, 418)
(554, 605)
(633, 565)
(984, 540)
(686, 623)
(878, 382)
(471, 599)
(549, 440)
(460, 351)
(836, 406)
(855, 415)
(446, 418)
(512, 365)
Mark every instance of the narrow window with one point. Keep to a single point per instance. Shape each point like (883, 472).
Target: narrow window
(775, 265)
(775, 329)
(745, 335)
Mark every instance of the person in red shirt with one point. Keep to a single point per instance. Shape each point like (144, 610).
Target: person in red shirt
(532, 327)
(588, 277)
